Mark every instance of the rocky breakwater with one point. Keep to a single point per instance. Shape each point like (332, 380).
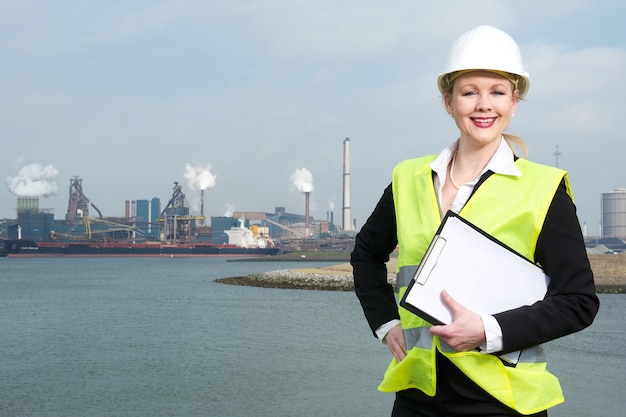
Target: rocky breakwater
(609, 272)
(332, 278)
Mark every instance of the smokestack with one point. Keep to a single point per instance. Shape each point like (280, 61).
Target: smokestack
(127, 209)
(202, 204)
(306, 212)
(345, 223)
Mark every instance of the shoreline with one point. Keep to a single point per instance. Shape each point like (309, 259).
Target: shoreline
(609, 271)
(298, 280)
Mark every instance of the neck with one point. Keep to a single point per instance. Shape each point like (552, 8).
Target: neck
(464, 169)
(471, 157)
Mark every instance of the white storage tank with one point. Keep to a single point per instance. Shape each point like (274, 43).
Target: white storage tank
(614, 213)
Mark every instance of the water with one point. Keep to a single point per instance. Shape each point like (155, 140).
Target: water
(158, 337)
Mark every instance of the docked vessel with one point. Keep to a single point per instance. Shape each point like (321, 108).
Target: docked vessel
(241, 242)
(29, 248)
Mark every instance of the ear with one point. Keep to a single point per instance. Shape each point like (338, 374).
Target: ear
(515, 101)
(447, 101)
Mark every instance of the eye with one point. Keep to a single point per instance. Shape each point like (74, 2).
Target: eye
(469, 93)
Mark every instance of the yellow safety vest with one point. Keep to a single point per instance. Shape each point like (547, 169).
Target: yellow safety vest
(510, 208)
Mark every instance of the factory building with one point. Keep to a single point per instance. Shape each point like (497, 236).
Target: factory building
(219, 224)
(32, 223)
(282, 224)
(147, 217)
(32, 226)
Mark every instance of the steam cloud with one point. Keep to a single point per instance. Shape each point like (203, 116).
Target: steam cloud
(331, 205)
(302, 180)
(229, 209)
(199, 177)
(34, 180)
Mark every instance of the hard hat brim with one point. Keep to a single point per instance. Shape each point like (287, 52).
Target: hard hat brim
(521, 82)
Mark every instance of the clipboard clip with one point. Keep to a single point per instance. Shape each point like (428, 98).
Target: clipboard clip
(432, 256)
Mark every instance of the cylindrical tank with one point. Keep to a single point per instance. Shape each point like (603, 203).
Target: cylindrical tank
(614, 213)
(345, 223)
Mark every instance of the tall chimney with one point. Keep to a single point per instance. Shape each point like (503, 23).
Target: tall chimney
(202, 204)
(127, 209)
(306, 213)
(345, 223)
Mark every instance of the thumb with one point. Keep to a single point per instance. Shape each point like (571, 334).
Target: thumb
(451, 303)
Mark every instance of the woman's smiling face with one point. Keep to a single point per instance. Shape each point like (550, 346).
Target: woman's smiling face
(482, 104)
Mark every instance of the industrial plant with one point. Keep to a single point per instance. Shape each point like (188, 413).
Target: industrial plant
(149, 227)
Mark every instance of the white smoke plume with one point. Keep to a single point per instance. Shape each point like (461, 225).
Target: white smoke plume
(302, 180)
(34, 180)
(229, 210)
(199, 177)
(331, 205)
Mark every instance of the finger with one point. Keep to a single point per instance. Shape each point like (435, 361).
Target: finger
(395, 343)
(438, 330)
(398, 352)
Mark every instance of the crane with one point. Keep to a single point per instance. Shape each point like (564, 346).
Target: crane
(91, 233)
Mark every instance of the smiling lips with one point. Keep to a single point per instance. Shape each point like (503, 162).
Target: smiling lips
(483, 122)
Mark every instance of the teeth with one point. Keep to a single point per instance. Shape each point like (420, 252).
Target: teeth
(485, 121)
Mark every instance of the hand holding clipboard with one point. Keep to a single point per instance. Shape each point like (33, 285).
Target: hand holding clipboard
(478, 271)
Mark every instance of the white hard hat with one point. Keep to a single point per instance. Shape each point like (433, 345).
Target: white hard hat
(488, 49)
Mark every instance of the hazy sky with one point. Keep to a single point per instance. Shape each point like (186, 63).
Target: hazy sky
(134, 95)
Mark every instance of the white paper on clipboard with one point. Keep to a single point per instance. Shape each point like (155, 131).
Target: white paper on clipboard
(478, 271)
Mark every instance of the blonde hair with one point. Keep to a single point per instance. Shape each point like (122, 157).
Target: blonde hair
(515, 141)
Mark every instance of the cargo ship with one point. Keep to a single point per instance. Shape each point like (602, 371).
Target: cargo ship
(241, 242)
(28, 248)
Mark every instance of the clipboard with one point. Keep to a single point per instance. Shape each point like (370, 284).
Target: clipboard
(477, 270)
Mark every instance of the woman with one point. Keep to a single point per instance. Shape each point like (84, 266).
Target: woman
(457, 369)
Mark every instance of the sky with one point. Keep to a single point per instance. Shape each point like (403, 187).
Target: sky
(244, 95)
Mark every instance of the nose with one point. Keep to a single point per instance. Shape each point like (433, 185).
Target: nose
(484, 103)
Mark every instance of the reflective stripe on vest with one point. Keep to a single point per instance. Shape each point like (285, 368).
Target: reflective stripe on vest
(513, 210)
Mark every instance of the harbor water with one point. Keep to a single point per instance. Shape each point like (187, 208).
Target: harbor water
(139, 337)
